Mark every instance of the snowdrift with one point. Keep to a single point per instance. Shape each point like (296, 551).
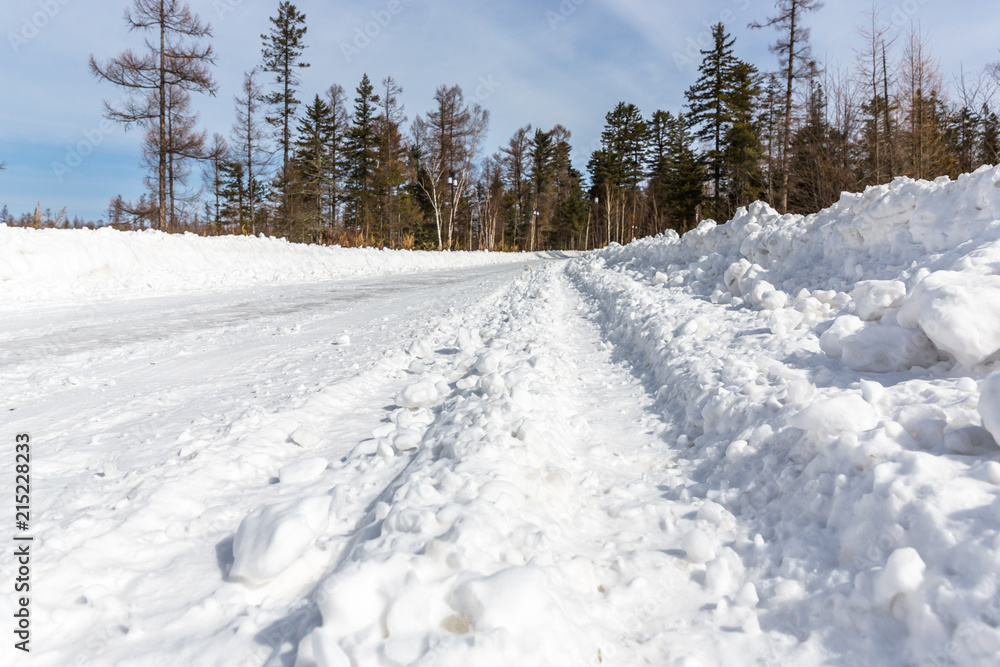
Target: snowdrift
(829, 381)
(57, 264)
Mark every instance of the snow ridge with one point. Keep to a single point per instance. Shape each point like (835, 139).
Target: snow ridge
(820, 377)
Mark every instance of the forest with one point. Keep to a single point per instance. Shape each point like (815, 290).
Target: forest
(347, 167)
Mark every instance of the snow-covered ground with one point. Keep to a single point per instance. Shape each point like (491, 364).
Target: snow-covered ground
(53, 265)
(771, 442)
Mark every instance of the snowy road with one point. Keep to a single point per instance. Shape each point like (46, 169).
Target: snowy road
(771, 442)
(160, 423)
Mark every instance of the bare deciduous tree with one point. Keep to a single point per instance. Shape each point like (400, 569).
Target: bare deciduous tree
(447, 143)
(174, 59)
(794, 53)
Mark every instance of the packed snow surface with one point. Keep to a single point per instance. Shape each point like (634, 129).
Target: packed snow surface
(769, 442)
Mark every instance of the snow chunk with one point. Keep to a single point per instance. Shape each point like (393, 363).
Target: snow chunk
(831, 342)
(320, 648)
(273, 537)
(715, 513)
(830, 418)
(303, 471)
(989, 405)
(698, 547)
(883, 348)
(490, 361)
(903, 573)
(306, 438)
(723, 574)
(343, 340)
(733, 275)
(873, 298)
(784, 321)
(421, 349)
(419, 395)
(959, 312)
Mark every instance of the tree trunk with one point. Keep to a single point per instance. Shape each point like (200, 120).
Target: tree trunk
(161, 212)
(787, 139)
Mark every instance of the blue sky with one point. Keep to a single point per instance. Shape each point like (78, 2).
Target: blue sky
(529, 61)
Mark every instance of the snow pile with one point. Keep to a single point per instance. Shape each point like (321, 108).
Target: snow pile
(830, 381)
(272, 538)
(38, 265)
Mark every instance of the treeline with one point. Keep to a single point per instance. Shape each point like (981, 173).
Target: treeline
(351, 169)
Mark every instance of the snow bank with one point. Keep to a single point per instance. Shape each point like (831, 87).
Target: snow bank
(829, 381)
(918, 254)
(56, 264)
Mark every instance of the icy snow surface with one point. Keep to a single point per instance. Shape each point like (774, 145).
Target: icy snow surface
(770, 442)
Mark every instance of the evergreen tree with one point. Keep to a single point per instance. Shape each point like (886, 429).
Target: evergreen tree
(235, 195)
(282, 53)
(744, 152)
(708, 109)
(313, 165)
(989, 142)
(617, 170)
(390, 172)
(962, 136)
(815, 179)
(682, 175)
(541, 154)
(658, 159)
(214, 179)
(362, 152)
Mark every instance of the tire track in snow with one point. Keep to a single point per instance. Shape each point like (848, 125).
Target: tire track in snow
(530, 525)
(139, 486)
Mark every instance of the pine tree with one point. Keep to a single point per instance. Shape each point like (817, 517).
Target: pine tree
(708, 108)
(390, 172)
(743, 149)
(963, 138)
(235, 195)
(282, 53)
(682, 175)
(617, 170)
(989, 142)
(816, 174)
(362, 152)
(541, 155)
(312, 163)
